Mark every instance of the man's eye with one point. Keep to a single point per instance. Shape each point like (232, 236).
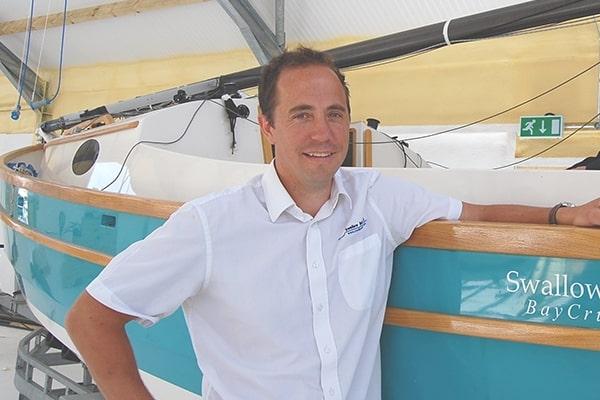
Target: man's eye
(302, 116)
(336, 114)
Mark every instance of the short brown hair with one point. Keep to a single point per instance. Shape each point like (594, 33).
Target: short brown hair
(301, 57)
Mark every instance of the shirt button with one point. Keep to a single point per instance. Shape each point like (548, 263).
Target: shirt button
(327, 350)
(315, 265)
(320, 307)
(331, 391)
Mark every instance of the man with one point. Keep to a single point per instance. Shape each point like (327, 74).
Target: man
(284, 280)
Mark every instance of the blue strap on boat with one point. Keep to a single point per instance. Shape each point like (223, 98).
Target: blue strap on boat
(23, 168)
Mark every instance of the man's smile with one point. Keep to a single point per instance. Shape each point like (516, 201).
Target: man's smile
(319, 154)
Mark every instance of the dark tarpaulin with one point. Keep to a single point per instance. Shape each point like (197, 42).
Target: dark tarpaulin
(478, 26)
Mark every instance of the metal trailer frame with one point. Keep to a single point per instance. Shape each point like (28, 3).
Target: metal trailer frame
(38, 352)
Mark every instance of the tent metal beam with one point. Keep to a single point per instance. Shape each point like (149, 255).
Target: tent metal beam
(261, 39)
(10, 66)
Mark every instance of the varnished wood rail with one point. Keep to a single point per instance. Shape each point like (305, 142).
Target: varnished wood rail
(523, 332)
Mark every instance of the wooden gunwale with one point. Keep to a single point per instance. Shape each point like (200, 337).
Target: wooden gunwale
(523, 332)
(112, 201)
(525, 239)
(63, 247)
(104, 130)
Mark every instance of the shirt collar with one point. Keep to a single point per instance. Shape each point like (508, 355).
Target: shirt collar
(278, 200)
(338, 189)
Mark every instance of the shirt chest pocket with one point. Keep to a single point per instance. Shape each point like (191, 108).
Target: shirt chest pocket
(358, 266)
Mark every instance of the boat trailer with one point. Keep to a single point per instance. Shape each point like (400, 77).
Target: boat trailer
(37, 375)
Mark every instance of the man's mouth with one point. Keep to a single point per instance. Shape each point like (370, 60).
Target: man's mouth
(319, 154)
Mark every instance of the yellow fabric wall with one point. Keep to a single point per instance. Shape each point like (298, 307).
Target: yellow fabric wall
(465, 82)
(8, 98)
(452, 85)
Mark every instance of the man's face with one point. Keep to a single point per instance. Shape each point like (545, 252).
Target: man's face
(309, 127)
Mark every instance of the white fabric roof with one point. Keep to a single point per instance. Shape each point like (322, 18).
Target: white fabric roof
(206, 28)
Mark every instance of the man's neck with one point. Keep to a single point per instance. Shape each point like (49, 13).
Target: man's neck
(308, 197)
(310, 201)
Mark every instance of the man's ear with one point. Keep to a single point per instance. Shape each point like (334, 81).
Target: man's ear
(266, 128)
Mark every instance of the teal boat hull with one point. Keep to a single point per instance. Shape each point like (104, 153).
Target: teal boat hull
(419, 360)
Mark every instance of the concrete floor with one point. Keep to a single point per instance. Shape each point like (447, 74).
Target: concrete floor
(9, 338)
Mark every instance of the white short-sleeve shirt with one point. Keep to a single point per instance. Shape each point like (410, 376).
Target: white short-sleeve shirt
(279, 305)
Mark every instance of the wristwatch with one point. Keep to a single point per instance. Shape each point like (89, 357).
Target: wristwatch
(552, 215)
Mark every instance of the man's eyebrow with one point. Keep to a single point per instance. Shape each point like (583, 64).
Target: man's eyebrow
(300, 107)
(338, 107)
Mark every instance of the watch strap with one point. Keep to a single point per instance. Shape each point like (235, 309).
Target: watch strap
(554, 210)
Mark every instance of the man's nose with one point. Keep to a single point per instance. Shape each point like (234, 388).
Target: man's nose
(321, 129)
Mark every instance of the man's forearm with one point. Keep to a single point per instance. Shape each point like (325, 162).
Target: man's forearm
(587, 214)
(505, 213)
(100, 337)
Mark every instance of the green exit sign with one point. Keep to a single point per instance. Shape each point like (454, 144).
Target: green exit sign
(541, 126)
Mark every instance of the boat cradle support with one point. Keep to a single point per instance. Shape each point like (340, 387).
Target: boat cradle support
(37, 361)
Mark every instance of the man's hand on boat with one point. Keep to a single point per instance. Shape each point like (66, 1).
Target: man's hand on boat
(587, 214)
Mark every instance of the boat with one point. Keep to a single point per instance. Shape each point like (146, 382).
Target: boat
(475, 310)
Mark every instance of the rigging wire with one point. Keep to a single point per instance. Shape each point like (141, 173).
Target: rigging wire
(550, 27)
(488, 117)
(37, 70)
(16, 112)
(597, 124)
(508, 109)
(46, 102)
(155, 142)
(400, 145)
(247, 118)
(549, 147)
(437, 165)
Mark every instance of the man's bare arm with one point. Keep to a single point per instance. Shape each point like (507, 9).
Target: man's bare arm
(585, 215)
(99, 334)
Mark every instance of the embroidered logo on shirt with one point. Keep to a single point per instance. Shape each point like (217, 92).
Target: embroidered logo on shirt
(354, 228)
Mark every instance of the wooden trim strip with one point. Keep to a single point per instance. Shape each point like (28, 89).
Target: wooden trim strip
(526, 239)
(523, 332)
(116, 202)
(55, 244)
(367, 148)
(104, 130)
(94, 13)
(352, 145)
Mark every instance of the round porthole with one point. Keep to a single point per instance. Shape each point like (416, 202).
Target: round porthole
(86, 156)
